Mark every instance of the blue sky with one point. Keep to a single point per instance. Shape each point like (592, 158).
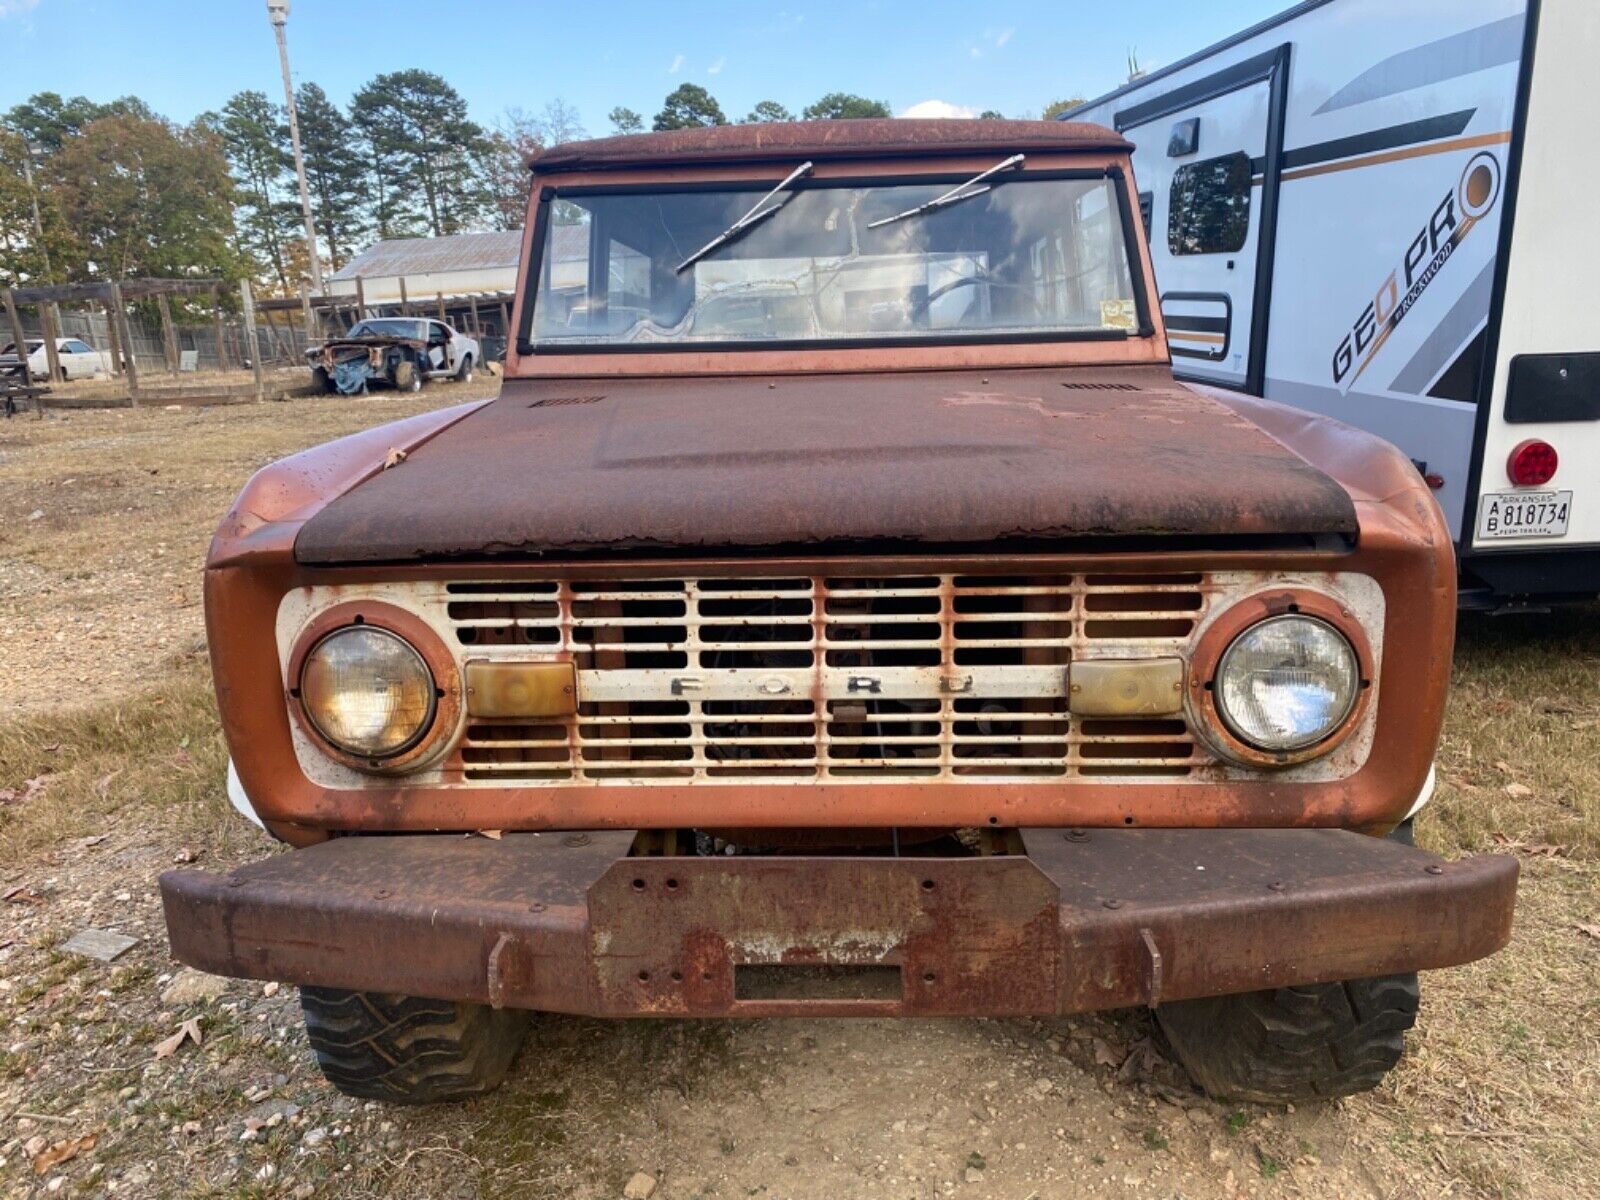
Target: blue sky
(187, 56)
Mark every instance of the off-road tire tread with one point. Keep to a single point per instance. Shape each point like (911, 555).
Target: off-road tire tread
(409, 1050)
(1287, 1045)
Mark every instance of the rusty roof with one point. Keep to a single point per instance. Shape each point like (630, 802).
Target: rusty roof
(688, 463)
(788, 140)
(497, 250)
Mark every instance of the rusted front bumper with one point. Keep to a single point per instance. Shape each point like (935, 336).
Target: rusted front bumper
(1083, 920)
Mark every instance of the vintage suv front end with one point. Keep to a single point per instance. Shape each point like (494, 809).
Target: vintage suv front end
(841, 611)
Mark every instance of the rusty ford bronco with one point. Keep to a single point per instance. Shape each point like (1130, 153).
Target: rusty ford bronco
(840, 611)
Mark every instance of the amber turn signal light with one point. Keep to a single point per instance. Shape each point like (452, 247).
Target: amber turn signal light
(521, 689)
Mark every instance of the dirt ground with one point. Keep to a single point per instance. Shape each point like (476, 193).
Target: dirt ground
(111, 770)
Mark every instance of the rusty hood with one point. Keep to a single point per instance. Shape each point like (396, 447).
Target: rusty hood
(565, 466)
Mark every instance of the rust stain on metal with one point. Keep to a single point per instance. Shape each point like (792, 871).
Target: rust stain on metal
(673, 463)
(526, 923)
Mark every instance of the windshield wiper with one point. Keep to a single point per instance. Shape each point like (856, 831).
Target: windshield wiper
(956, 194)
(756, 215)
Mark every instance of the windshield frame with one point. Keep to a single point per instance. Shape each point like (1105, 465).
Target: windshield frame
(549, 193)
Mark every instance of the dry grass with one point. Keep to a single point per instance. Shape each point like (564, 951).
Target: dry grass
(1499, 1095)
(158, 754)
(1524, 714)
(109, 516)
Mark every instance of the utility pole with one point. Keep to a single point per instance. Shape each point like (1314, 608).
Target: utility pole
(278, 14)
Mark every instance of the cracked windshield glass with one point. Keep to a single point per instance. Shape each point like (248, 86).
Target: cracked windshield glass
(1031, 257)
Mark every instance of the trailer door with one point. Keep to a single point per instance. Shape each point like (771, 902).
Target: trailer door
(1200, 164)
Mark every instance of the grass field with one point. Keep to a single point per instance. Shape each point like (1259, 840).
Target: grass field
(111, 769)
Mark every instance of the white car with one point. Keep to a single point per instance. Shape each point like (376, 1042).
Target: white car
(78, 359)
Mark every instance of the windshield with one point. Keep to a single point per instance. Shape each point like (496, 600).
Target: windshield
(392, 327)
(1027, 257)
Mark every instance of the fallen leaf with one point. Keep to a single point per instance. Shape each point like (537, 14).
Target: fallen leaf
(493, 835)
(1104, 1055)
(62, 1152)
(1536, 849)
(185, 855)
(394, 458)
(93, 839)
(1591, 930)
(1142, 1061)
(30, 789)
(188, 1031)
(1518, 791)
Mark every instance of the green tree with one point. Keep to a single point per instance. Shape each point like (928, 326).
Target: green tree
(23, 256)
(146, 198)
(625, 120)
(255, 138)
(1055, 108)
(46, 119)
(991, 114)
(335, 172)
(689, 106)
(423, 151)
(840, 106)
(767, 112)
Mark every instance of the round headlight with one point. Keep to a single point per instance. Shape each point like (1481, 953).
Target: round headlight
(1286, 683)
(367, 691)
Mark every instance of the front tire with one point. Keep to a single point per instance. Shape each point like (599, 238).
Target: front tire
(1294, 1044)
(406, 376)
(408, 1050)
(464, 371)
(322, 381)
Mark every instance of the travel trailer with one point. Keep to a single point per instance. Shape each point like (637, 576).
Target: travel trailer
(1382, 213)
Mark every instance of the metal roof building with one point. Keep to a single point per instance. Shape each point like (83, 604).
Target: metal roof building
(465, 264)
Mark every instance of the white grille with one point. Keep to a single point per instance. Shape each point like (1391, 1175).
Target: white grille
(820, 678)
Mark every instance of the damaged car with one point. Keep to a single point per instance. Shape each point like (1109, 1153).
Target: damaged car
(397, 352)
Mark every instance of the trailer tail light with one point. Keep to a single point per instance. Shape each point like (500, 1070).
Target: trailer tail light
(1532, 463)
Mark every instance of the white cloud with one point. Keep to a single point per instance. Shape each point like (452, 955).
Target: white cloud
(975, 51)
(1004, 36)
(16, 8)
(937, 108)
(677, 64)
(716, 67)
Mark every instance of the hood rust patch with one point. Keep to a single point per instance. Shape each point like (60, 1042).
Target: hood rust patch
(753, 462)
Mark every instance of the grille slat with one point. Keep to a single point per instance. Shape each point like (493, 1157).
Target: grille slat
(852, 680)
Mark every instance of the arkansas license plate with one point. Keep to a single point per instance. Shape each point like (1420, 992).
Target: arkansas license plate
(1524, 514)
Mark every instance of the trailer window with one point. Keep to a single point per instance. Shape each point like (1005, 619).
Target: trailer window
(1209, 209)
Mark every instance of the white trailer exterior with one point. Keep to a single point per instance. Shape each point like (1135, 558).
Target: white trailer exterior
(1382, 211)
